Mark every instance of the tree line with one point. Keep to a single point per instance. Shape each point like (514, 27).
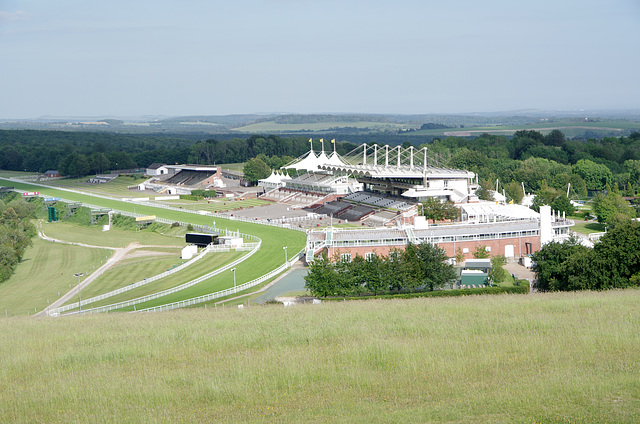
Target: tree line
(84, 153)
(16, 231)
(418, 267)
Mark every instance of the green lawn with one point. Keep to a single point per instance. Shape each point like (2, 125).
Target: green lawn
(205, 265)
(588, 227)
(115, 188)
(538, 358)
(233, 166)
(94, 235)
(45, 274)
(215, 205)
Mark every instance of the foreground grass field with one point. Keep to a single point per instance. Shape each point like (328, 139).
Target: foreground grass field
(511, 359)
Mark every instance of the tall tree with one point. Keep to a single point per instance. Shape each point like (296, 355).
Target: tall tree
(255, 169)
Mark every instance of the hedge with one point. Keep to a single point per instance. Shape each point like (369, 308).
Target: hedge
(522, 288)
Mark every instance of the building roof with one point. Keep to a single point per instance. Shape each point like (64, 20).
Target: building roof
(155, 166)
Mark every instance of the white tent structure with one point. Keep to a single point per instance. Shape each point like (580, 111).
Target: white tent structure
(312, 163)
(275, 180)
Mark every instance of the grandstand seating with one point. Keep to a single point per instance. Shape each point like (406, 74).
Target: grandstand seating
(334, 208)
(388, 202)
(188, 178)
(356, 213)
(380, 218)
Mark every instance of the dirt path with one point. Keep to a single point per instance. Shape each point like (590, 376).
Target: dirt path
(119, 253)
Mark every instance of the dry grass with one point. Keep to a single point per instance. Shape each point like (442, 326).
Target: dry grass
(521, 358)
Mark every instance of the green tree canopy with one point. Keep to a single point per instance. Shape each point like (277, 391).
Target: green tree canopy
(595, 175)
(255, 169)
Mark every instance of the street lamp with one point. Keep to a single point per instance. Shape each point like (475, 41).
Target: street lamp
(79, 274)
(286, 258)
(234, 278)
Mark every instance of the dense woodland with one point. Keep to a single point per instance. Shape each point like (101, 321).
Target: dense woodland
(546, 164)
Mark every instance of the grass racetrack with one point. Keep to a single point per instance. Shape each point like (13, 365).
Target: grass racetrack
(46, 273)
(540, 358)
(270, 256)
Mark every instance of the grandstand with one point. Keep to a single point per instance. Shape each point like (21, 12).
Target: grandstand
(509, 237)
(181, 179)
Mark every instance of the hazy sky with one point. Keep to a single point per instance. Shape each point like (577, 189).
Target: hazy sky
(123, 58)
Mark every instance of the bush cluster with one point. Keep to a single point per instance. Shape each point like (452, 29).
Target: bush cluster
(521, 288)
(419, 266)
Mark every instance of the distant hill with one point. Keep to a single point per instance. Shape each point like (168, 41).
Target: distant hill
(597, 124)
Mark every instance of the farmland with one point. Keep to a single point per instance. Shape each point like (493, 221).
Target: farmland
(564, 357)
(274, 127)
(570, 128)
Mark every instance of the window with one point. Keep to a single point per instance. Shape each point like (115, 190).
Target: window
(345, 257)
(369, 256)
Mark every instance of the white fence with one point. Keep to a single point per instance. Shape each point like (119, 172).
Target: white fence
(211, 296)
(226, 292)
(210, 248)
(172, 290)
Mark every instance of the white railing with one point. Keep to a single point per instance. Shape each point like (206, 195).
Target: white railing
(172, 290)
(226, 292)
(210, 248)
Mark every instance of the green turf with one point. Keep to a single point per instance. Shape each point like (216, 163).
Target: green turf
(94, 235)
(233, 166)
(588, 227)
(46, 273)
(216, 205)
(115, 188)
(539, 358)
(209, 263)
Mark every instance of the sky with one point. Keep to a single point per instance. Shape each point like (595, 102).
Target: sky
(167, 58)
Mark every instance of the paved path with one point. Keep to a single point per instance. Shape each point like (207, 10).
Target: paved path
(292, 281)
(521, 272)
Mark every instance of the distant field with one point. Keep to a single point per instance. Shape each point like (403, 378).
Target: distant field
(538, 358)
(115, 188)
(9, 174)
(271, 126)
(570, 129)
(45, 274)
(233, 166)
